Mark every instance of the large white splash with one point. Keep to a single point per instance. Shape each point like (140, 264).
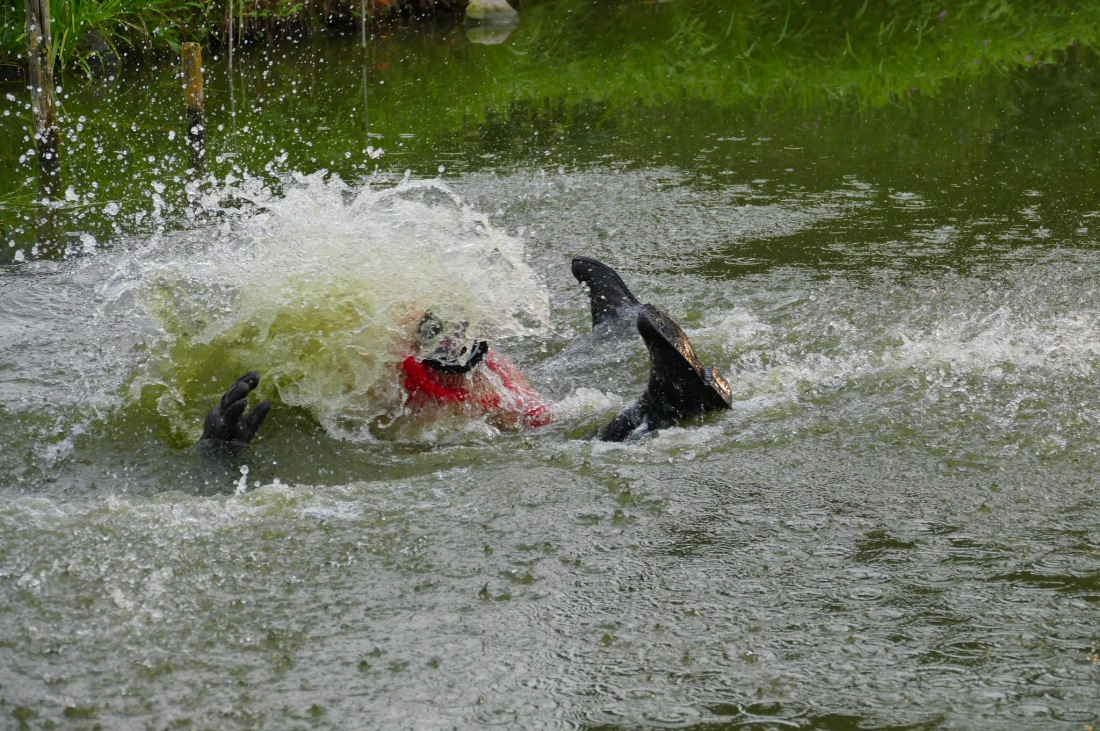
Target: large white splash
(318, 288)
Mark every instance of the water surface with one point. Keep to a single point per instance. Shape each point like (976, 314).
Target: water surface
(894, 526)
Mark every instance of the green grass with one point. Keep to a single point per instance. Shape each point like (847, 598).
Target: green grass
(800, 54)
(790, 52)
(161, 25)
(119, 23)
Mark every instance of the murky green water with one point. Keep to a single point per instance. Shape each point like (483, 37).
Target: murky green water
(894, 527)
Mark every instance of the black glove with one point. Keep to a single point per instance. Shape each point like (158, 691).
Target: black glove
(224, 422)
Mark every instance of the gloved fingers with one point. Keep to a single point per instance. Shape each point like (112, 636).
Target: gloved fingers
(213, 427)
(256, 417)
(224, 422)
(241, 388)
(232, 413)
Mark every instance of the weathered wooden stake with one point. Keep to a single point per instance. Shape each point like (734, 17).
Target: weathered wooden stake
(192, 93)
(363, 25)
(40, 69)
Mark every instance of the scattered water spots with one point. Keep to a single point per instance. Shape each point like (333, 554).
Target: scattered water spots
(908, 199)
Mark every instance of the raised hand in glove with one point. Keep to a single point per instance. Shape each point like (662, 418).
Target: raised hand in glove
(224, 422)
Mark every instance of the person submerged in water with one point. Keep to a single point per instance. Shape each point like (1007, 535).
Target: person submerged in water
(449, 371)
(453, 372)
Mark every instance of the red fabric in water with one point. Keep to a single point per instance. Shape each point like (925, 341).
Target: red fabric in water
(423, 379)
(529, 404)
(520, 405)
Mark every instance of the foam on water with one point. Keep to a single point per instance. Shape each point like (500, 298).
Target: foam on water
(986, 343)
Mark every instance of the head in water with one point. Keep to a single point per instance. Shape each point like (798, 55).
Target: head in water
(446, 346)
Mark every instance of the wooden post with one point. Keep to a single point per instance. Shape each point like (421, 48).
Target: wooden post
(363, 25)
(192, 93)
(40, 70)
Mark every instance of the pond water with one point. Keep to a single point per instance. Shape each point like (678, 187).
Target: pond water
(893, 527)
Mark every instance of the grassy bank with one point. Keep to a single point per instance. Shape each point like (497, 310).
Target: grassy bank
(797, 51)
(800, 54)
(84, 31)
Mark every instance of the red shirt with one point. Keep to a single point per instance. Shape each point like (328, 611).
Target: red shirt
(498, 391)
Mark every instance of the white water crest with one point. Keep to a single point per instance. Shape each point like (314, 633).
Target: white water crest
(318, 288)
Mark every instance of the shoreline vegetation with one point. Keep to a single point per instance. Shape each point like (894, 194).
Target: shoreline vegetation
(86, 33)
(773, 53)
(571, 70)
